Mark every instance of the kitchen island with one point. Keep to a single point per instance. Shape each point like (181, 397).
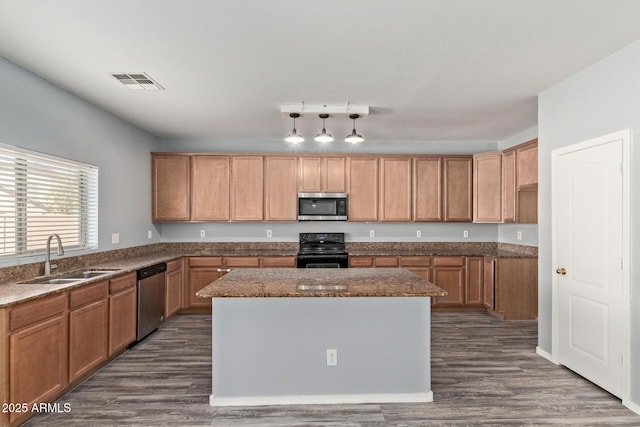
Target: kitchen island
(311, 336)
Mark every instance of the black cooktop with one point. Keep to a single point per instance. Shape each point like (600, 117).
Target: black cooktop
(322, 244)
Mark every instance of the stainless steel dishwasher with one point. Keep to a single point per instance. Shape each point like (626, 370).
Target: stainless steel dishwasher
(151, 295)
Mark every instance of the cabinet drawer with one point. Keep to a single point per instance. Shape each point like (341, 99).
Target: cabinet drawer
(88, 293)
(122, 282)
(241, 261)
(386, 261)
(415, 261)
(176, 264)
(32, 312)
(205, 261)
(279, 261)
(457, 261)
(361, 261)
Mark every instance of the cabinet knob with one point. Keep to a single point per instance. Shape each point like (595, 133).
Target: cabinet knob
(561, 271)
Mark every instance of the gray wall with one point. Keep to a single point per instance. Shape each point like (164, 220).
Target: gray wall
(277, 346)
(602, 99)
(37, 115)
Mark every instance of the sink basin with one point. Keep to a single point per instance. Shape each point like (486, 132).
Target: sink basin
(55, 281)
(70, 277)
(87, 274)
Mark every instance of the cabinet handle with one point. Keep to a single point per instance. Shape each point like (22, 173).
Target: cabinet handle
(561, 271)
(223, 270)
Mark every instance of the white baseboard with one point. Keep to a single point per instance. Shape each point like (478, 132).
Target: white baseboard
(544, 354)
(633, 406)
(322, 399)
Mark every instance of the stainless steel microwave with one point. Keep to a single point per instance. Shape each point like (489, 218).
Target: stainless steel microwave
(322, 206)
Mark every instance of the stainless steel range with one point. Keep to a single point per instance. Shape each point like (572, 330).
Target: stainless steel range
(322, 250)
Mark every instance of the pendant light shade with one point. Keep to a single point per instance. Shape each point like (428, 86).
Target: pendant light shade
(354, 137)
(323, 136)
(294, 137)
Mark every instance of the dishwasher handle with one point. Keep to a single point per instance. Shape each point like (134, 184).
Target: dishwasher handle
(151, 270)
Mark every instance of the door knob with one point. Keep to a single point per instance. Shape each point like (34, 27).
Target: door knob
(561, 271)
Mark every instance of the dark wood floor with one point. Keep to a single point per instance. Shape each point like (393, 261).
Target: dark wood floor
(484, 372)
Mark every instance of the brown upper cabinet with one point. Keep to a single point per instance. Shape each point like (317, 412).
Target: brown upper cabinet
(322, 174)
(170, 187)
(281, 194)
(362, 177)
(509, 190)
(487, 187)
(210, 182)
(427, 189)
(527, 164)
(457, 183)
(395, 189)
(247, 188)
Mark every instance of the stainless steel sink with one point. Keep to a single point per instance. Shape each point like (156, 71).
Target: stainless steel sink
(75, 277)
(87, 274)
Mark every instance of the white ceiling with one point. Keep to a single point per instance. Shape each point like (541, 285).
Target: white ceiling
(430, 70)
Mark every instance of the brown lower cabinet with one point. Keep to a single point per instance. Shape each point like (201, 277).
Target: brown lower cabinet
(88, 329)
(204, 270)
(122, 312)
(515, 287)
(448, 273)
(173, 287)
(34, 356)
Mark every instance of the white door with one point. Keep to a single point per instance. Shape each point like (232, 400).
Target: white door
(588, 255)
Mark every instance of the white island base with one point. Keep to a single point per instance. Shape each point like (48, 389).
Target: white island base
(273, 351)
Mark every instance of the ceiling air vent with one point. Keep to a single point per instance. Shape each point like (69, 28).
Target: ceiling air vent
(137, 81)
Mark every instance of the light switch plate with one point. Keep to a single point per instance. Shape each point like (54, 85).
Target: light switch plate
(115, 238)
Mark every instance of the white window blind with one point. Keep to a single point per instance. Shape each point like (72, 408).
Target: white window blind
(41, 195)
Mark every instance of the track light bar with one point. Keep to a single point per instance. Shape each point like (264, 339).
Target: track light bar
(334, 110)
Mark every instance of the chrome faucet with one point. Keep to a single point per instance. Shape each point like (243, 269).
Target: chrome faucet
(47, 259)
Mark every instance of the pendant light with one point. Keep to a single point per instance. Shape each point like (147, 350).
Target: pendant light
(323, 136)
(354, 137)
(294, 137)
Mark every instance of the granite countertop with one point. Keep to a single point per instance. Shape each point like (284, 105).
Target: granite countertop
(19, 292)
(325, 282)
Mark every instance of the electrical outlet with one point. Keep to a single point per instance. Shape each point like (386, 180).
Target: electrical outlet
(150, 234)
(519, 235)
(419, 234)
(332, 357)
(203, 233)
(115, 238)
(269, 233)
(372, 233)
(465, 233)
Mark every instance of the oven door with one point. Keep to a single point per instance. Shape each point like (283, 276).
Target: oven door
(323, 261)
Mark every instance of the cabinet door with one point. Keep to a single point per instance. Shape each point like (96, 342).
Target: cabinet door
(363, 188)
(281, 190)
(247, 188)
(333, 175)
(173, 298)
(449, 274)
(509, 186)
(38, 362)
(210, 188)
(395, 189)
(427, 189)
(489, 280)
(473, 295)
(487, 187)
(122, 319)
(310, 174)
(457, 189)
(88, 338)
(170, 187)
(200, 277)
(527, 164)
